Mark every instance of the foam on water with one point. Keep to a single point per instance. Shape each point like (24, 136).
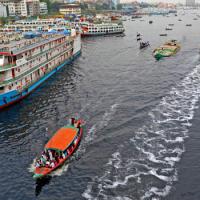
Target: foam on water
(150, 166)
(107, 116)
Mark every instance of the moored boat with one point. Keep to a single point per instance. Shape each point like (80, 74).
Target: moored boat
(168, 49)
(58, 149)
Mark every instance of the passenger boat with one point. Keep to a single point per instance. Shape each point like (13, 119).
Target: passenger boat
(92, 29)
(27, 63)
(62, 145)
(168, 49)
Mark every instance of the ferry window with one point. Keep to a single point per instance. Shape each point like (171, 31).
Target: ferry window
(1, 88)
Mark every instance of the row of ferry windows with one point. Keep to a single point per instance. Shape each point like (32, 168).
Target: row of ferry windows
(94, 31)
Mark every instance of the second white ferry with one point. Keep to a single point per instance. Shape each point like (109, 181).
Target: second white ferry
(92, 29)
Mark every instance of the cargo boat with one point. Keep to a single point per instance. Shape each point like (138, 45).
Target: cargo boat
(27, 63)
(168, 49)
(63, 144)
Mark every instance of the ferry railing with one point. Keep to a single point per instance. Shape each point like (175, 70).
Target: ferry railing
(29, 71)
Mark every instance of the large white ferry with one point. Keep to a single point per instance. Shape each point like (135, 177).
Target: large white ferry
(92, 29)
(26, 63)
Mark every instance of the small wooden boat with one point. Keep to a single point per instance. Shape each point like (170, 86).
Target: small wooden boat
(58, 149)
(144, 45)
(168, 29)
(164, 34)
(168, 49)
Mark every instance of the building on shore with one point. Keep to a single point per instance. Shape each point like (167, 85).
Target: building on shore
(22, 7)
(70, 8)
(43, 8)
(3, 11)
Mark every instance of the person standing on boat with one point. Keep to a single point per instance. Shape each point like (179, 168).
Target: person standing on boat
(72, 121)
(50, 155)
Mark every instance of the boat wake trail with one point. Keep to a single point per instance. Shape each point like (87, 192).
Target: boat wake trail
(148, 165)
(107, 116)
(100, 124)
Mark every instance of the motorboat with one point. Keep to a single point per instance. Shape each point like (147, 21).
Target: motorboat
(58, 149)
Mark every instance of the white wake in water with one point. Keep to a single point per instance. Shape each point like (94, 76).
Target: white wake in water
(149, 165)
(107, 116)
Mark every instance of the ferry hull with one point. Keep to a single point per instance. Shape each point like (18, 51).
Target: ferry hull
(87, 34)
(15, 96)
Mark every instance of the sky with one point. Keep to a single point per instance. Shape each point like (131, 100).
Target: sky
(167, 1)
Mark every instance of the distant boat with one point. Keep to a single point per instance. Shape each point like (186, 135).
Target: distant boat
(188, 24)
(150, 22)
(168, 49)
(144, 45)
(120, 35)
(168, 29)
(164, 34)
(170, 24)
(180, 20)
(136, 16)
(195, 19)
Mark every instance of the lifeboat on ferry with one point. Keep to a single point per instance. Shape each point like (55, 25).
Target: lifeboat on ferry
(58, 149)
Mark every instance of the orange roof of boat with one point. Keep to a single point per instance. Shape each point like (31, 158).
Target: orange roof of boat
(62, 138)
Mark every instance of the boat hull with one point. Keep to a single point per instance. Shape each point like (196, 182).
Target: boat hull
(12, 97)
(49, 170)
(87, 34)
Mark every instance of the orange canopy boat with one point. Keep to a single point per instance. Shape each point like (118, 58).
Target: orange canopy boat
(58, 149)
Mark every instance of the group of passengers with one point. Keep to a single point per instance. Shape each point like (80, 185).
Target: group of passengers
(50, 158)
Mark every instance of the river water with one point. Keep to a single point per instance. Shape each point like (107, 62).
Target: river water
(141, 138)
